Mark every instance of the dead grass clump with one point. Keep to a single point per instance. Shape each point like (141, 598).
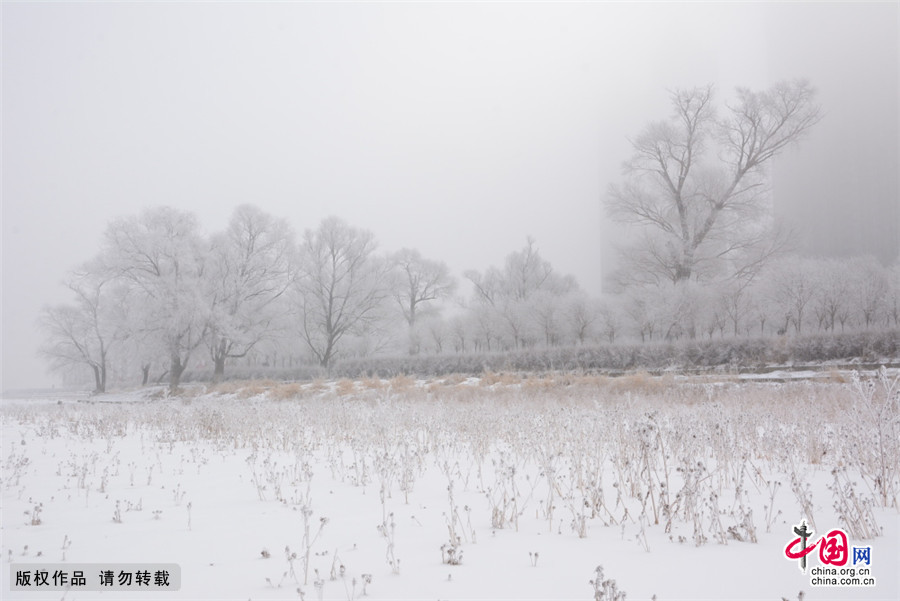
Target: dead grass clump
(540, 383)
(591, 380)
(836, 376)
(489, 378)
(286, 391)
(453, 380)
(641, 382)
(401, 383)
(343, 387)
(256, 388)
(317, 385)
(372, 383)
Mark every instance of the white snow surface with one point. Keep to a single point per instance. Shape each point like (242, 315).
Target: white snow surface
(248, 460)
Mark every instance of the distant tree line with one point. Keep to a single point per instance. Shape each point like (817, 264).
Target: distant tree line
(161, 296)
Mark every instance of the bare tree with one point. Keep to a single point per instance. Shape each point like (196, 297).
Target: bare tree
(644, 308)
(341, 285)
(437, 330)
(487, 287)
(582, 314)
(160, 256)
(547, 311)
(682, 309)
(735, 303)
(696, 183)
(486, 328)
(526, 273)
(791, 288)
(251, 266)
(610, 315)
(461, 331)
(84, 333)
(893, 297)
(512, 293)
(833, 292)
(418, 281)
(871, 283)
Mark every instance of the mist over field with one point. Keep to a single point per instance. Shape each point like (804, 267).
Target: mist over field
(458, 131)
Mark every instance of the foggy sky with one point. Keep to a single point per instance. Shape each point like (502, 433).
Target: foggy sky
(458, 129)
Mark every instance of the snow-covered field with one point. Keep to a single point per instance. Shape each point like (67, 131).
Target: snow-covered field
(502, 487)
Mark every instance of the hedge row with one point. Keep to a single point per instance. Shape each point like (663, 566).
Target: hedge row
(731, 354)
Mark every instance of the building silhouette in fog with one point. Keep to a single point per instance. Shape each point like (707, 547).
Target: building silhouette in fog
(840, 188)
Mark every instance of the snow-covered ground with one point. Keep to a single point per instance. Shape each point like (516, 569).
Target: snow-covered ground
(332, 490)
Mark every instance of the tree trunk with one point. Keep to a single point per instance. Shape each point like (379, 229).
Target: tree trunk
(145, 374)
(175, 370)
(220, 351)
(219, 371)
(412, 312)
(98, 384)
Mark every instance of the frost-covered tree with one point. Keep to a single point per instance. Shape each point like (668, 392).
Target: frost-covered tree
(527, 273)
(696, 183)
(86, 331)
(790, 288)
(487, 326)
(871, 289)
(644, 309)
(735, 303)
(522, 295)
(250, 268)
(461, 332)
(582, 314)
(611, 317)
(893, 298)
(160, 256)
(435, 330)
(683, 309)
(831, 303)
(417, 283)
(547, 313)
(342, 286)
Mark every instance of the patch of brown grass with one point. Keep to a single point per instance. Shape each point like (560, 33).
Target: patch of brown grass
(489, 378)
(317, 385)
(836, 376)
(286, 391)
(453, 380)
(558, 381)
(343, 387)
(372, 383)
(540, 383)
(256, 388)
(640, 382)
(401, 383)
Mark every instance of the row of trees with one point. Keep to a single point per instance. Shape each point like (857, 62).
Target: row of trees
(160, 296)
(159, 292)
(706, 260)
(793, 296)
